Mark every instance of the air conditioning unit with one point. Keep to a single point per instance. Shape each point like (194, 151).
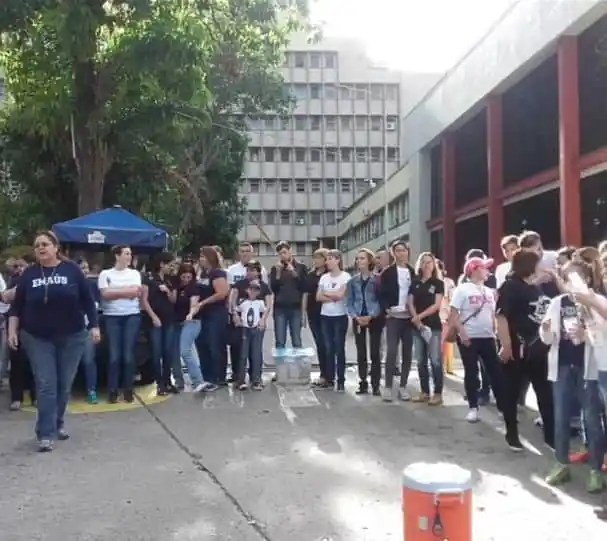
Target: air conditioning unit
(300, 221)
(366, 212)
(390, 126)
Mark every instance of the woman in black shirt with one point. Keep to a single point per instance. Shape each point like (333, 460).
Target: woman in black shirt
(522, 303)
(319, 261)
(425, 299)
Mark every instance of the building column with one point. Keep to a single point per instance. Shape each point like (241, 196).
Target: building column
(569, 142)
(448, 174)
(495, 175)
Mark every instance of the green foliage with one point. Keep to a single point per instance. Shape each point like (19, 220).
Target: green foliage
(137, 102)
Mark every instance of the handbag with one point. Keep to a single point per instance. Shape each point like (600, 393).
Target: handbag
(451, 334)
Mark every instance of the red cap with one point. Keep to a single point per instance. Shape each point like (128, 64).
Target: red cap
(475, 263)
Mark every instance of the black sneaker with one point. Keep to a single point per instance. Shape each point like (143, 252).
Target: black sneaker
(161, 391)
(113, 397)
(172, 389)
(341, 388)
(62, 434)
(128, 396)
(363, 389)
(514, 443)
(376, 391)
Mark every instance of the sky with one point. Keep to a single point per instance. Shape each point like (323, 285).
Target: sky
(410, 35)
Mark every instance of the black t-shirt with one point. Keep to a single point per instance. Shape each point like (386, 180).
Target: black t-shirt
(311, 287)
(242, 285)
(205, 283)
(159, 301)
(184, 296)
(424, 296)
(570, 354)
(524, 306)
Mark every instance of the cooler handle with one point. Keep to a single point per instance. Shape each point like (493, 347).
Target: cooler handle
(457, 496)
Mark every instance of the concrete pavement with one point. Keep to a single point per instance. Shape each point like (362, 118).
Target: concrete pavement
(280, 465)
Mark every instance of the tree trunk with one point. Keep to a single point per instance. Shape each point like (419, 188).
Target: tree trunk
(93, 164)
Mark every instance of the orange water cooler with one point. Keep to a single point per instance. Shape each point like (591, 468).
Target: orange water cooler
(437, 503)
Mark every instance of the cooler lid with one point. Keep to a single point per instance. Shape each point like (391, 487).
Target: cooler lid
(437, 477)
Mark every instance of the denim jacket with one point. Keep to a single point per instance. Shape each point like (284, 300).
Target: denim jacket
(354, 297)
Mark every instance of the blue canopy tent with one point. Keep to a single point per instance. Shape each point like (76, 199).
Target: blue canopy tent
(110, 227)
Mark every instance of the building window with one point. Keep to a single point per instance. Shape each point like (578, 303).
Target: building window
(346, 123)
(269, 217)
(345, 93)
(331, 154)
(285, 154)
(346, 154)
(300, 186)
(254, 154)
(300, 218)
(330, 60)
(330, 92)
(300, 248)
(254, 186)
(254, 217)
(391, 123)
(300, 92)
(362, 185)
(315, 186)
(346, 186)
(330, 186)
(315, 123)
(391, 92)
(301, 122)
(268, 154)
(300, 60)
(269, 123)
(300, 154)
(285, 186)
(377, 92)
(269, 185)
(331, 123)
(315, 92)
(361, 123)
(254, 123)
(330, 217)
(315, 217)
(360, 92)
(361, 155)
(315, 60)
(376, 154)
(285, 123)
(376, 122)
(392, 154)
(285, 218)
(315, 154)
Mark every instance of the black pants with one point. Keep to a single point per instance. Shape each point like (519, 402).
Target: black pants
(20, 376)
(374, 331)
(535, 369)
(321, 350)
(235, 345)
(483, 350)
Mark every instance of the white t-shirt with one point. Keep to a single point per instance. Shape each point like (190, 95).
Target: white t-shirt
(238, 271)
(331, 284)
(467, 298)
(114, 278)
(449, 289)
(251, 312)
(4, 308)
(501, 271)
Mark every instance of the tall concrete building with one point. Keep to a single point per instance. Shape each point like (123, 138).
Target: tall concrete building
(341, 139)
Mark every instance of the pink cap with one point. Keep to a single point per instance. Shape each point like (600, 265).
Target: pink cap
(475, 263)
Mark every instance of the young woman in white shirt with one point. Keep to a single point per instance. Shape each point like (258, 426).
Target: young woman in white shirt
(333, 318)
(473, 316)
(120, 289)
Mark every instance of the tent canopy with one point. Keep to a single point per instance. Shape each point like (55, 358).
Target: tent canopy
(110, 227)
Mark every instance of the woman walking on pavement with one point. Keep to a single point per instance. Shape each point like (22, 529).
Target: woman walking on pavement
(46, 316)
(363, 307)
(425, 300)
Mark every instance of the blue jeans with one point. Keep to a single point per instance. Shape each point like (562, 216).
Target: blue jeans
(54, 364)
(122, 333)
(571, 383)
(603, 386)
(89, 364)
(163, 352)
(212, 346)
(283, 318)
(251, 349)
(189, 332)
(432, 351)
(334, 329)
(321, 353)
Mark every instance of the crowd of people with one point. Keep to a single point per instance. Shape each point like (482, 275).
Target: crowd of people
(539, 320)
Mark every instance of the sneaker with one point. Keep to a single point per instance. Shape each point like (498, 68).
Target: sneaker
(320, 382)
(472, 415)
(579, 457)
(420, 397)
(161, 391)
(376, 391)
(243, 387)
(559, 475)
(274, 378)
(257, 387)
(484, 401)
(208, 387)
(62, 434)
(363, 388)
(341, 388)
(595, 483)
(404, 395)
(15, 405)
(113, 397)
(128, 396)
(198, 388)
(174, 389)
(45, 446)
(436, 400)
(387, 395)
(91, 397)
(514, 443)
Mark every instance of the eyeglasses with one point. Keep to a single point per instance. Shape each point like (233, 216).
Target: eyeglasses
(42, 244)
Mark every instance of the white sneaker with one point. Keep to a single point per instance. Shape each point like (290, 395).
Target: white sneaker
(404, 395)
(472, 416)
(198, 388)
(387, 395)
